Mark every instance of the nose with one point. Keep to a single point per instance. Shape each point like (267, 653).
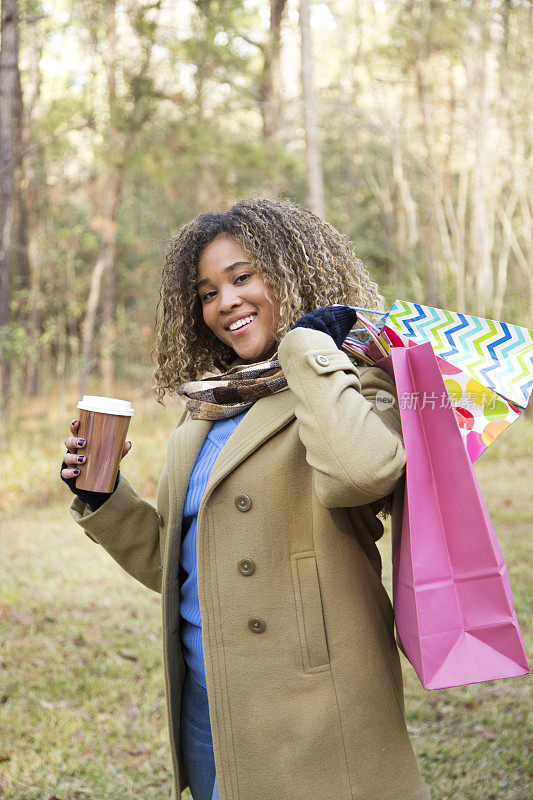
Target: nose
(228, 299)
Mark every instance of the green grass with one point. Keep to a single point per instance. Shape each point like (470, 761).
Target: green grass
(81, 688)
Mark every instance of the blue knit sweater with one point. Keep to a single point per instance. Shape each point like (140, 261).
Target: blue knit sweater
(191, 623)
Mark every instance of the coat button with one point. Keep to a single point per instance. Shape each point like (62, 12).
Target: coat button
(256, 625)
(243, 502)
(322, 360)
(246, 566)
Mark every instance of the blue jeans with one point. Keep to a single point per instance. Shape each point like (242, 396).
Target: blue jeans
(196, 741)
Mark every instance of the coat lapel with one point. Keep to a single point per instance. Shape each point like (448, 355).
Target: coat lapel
(183, 452)
(267, 416)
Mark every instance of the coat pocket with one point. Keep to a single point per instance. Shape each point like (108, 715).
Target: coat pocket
(309, 613)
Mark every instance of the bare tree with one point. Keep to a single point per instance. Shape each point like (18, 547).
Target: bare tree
(270, 91)
(34, 203)
(480, 235)
(107, 362)
(20, 218)
(9, 80)
(270, 87)
(121, 141)
(314, 176)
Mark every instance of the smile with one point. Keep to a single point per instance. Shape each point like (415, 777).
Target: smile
(238, 326)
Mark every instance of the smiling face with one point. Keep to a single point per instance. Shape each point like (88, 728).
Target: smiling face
(235, 300)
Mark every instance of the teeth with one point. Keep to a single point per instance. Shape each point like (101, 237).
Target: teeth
(241, 322)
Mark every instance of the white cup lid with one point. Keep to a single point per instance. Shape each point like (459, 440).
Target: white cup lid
(106, 405)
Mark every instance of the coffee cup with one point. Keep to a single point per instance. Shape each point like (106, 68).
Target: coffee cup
(104, 423)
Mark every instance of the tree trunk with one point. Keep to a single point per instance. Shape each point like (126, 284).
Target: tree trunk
(104, 264)
(119, 147)
(406, 234)
(107, 361)
(204, 183)
(352, 131)
(480, 239)
(9, 78)
(35, 205)
(430, 172)
(20, 220)
(503, 263)
(271, 95)
(314, 177)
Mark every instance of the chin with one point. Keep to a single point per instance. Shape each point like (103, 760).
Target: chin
(251, 353)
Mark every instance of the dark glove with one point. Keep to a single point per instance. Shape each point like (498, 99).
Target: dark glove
(93, 499)
(337, 321)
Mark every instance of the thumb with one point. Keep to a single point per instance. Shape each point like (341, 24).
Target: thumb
(126, 449)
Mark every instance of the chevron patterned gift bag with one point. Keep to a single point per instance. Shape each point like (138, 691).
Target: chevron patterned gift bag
(498, 355)
(487, 366)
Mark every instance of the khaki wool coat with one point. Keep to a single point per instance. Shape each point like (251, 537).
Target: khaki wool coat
(302, 671)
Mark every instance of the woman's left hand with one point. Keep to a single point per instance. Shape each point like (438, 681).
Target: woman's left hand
(337, 321)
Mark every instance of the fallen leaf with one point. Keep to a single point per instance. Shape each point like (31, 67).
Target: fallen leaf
(446, 708)
(79, 641)
(128, 654)
(143, 752)
(26, 620)
(5, 611)
(58, 704)
(487, 733)
(5, 758)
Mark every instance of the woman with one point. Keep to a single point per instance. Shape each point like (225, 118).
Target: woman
(281, 670)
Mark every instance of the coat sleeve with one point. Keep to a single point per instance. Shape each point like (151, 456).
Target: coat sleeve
(128, 527)
(349, 420)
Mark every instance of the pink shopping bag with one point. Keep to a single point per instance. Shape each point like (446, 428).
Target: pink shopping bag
(452, 598)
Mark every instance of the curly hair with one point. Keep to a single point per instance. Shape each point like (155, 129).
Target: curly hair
(304, 261)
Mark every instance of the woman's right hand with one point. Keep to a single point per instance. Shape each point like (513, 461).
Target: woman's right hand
(73, 458)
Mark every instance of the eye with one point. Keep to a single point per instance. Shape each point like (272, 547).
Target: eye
(240, 278)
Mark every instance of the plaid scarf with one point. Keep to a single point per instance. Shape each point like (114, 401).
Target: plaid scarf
(228, 394)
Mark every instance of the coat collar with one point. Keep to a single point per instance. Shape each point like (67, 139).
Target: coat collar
(267, 416)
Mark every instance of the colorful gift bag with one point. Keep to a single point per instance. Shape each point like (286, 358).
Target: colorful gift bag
(482, 415)
(498, 355)
(452, 598)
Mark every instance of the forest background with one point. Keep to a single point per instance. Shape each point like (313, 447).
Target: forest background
(408, 125)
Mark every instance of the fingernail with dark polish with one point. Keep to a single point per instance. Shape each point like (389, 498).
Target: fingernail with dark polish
(76, 471)
(81, 459)
(80, 442)
(73, 421)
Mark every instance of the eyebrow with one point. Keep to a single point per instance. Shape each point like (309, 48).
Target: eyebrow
(224, 271)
